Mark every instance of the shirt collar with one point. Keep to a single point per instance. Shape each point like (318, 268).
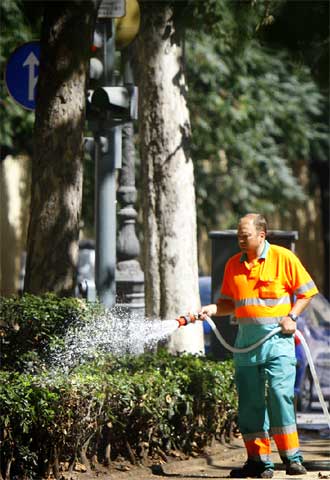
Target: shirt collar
(263, 255)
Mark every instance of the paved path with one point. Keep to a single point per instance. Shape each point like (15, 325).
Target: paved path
(315, 444)
(314, 437)
(218, 464)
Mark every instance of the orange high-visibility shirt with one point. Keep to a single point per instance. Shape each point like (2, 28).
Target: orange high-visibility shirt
(262, 295)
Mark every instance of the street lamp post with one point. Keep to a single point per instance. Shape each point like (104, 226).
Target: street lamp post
(129, 276)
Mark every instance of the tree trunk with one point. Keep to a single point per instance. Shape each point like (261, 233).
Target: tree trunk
(57, 167)
(170, 243)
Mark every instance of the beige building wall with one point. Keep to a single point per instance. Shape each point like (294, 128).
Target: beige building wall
(15, 180)
(309, 246)
(306, 219)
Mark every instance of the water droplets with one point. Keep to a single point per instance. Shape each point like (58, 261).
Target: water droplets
(114, 331)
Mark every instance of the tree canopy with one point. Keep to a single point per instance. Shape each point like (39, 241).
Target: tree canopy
(254, 117)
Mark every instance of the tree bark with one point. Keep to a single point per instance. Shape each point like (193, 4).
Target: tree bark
(169, 210)
(57, 167)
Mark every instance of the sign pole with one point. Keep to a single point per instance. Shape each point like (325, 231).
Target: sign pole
(107, 159)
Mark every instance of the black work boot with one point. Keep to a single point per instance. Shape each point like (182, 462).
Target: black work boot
(295, 468)
(252, 469)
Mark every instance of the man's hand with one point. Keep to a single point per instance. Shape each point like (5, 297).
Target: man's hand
(288, 325)
(207, 311)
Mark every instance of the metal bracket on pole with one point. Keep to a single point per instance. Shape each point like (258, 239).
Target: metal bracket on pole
(87, 290)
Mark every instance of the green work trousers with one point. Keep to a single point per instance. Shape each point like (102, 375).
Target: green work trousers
(266, 409)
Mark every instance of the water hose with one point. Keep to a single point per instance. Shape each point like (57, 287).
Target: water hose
(262, 340)
(244, 349)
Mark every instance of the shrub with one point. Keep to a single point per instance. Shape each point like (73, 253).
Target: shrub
(30, 324)
(136, 407)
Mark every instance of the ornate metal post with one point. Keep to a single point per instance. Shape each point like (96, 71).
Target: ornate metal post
(129, 276)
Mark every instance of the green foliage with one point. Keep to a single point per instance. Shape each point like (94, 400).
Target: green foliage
(32, 323)
(231, 22)
(16, 123)
(254, 117)
(307, 42)
(158, 401)
(154, 403)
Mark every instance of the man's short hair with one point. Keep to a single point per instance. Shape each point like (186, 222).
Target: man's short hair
(259, 221)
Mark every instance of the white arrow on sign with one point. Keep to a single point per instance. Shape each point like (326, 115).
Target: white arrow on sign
(31, 62)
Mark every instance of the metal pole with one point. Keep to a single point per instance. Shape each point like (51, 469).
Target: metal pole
(109, 51)
(107, 159)
(108, 155)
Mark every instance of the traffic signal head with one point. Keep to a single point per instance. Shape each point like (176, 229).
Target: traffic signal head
(96, 66)
(119, 101)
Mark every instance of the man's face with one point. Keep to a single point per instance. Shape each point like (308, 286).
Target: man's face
(249, 239)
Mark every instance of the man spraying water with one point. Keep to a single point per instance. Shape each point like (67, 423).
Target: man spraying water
(258, 287)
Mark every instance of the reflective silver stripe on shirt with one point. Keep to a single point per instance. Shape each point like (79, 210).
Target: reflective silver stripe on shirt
(258, 320)
(264, 302)
(305, 288)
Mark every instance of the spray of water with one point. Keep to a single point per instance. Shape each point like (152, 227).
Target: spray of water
(115, 331)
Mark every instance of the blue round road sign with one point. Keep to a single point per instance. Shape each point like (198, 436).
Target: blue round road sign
(21, 74)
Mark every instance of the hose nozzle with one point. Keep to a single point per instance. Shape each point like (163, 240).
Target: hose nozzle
(185, 319)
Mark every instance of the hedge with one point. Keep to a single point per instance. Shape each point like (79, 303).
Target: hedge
(136, 407)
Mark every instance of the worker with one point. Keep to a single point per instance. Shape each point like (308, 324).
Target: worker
(264, 286)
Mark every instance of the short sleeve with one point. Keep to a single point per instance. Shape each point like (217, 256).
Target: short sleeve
(226, 290)
(302, 285)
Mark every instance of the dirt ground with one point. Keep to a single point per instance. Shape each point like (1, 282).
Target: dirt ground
(216, 463)
(124, 470)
